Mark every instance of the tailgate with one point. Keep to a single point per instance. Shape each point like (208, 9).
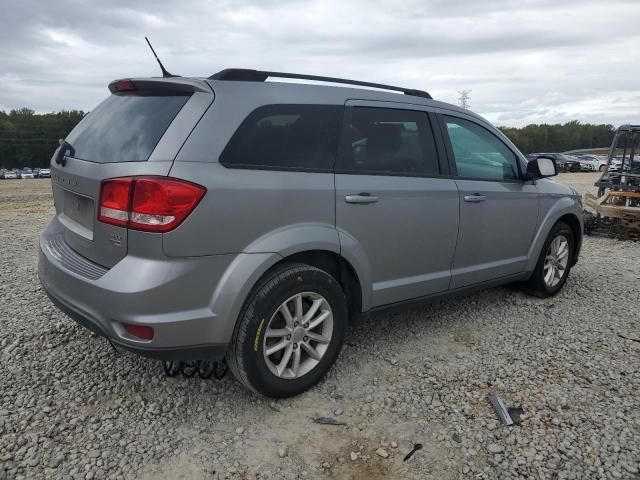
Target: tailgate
(135, 132)
(76, 191)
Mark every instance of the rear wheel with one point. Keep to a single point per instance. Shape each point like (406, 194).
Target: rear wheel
(289, 332)
(554, 263)
(601, 169)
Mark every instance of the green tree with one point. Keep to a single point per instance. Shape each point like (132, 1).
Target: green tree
(560, 137)
(28, 139)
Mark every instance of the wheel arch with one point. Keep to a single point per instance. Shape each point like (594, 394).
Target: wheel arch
(566, 209)
(248, 270)
(576, 228)
(336, 266)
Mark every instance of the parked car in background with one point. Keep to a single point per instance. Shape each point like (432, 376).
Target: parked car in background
(563, 162)
(310, 203)
(26, 173)
(44, 173)
(585, 165)
(10, 174)
(2, 170)
(598, 163)
(616, 164)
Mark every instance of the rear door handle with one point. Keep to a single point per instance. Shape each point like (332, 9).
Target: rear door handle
(361, 198)
(475, 198)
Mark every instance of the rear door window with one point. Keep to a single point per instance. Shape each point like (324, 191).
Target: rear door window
(389, 141)
(125, 128)
(297, 137)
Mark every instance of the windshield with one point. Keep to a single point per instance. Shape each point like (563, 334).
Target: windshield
(125, 128)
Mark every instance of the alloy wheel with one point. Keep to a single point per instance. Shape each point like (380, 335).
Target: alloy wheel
(556, 261)
(298, 335)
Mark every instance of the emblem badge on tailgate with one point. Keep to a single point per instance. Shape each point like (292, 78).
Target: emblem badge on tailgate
(116, 239)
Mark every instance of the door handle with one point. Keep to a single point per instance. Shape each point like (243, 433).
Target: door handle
(475, 198)
(361, 198)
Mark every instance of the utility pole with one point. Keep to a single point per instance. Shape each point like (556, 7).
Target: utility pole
(465, 98)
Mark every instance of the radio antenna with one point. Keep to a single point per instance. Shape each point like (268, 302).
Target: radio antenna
(164, 70)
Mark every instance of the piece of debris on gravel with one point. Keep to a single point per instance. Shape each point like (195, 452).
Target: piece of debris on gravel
(327, 421)
(71, 408)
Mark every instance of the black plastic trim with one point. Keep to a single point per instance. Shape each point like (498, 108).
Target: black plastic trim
(466, 290)
(213, 352)
(443, 161)
(248, 75)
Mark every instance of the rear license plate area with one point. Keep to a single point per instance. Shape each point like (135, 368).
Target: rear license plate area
(78, 214)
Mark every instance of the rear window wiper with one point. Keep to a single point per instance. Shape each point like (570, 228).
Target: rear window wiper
(65, 149)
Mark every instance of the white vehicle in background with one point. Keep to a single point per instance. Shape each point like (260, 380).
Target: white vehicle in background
(44, 173)
(616, 165)
(26, 173)
(10, 175)
(597, 163)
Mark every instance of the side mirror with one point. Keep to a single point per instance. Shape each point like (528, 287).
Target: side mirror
(541, 167)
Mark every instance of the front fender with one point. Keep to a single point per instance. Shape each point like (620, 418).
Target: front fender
(552, 208)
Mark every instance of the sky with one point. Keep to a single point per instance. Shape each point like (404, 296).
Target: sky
(525, 61)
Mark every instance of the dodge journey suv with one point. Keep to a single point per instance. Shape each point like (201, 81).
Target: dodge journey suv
(249, 219)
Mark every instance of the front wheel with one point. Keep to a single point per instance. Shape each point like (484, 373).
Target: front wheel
(289, 332)
(554, 263)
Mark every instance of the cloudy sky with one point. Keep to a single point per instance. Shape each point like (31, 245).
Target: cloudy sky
(525, 60)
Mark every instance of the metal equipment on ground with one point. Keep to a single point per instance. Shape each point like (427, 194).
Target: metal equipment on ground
(616, 210)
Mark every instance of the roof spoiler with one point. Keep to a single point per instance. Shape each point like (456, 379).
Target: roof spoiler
(159, 86)
(247, 75)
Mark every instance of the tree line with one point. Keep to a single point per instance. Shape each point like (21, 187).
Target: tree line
(28, 139)
(560, 137)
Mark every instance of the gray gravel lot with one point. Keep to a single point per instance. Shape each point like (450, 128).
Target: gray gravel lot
(71, 408)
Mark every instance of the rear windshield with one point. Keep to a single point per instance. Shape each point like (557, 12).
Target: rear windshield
(124, 128)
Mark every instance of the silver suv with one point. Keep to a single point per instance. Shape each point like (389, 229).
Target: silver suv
(240, 218)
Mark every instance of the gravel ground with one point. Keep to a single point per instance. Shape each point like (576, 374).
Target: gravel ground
(72, 408)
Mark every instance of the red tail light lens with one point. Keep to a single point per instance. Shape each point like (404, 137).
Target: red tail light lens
(124, 86)
(162, 205)
(153, 204)
(115, 198)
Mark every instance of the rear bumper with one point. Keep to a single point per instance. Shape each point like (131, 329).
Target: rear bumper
(172, 295)
(190, 352)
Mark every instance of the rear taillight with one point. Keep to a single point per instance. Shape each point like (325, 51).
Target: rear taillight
(152, 204)
(115, 198)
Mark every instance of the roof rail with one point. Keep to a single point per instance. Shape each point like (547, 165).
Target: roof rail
(247, 75)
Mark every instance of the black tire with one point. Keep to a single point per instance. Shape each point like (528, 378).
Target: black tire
(536, 285)
(245, 356)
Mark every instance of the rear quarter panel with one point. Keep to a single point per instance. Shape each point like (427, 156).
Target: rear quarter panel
(255, 211)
